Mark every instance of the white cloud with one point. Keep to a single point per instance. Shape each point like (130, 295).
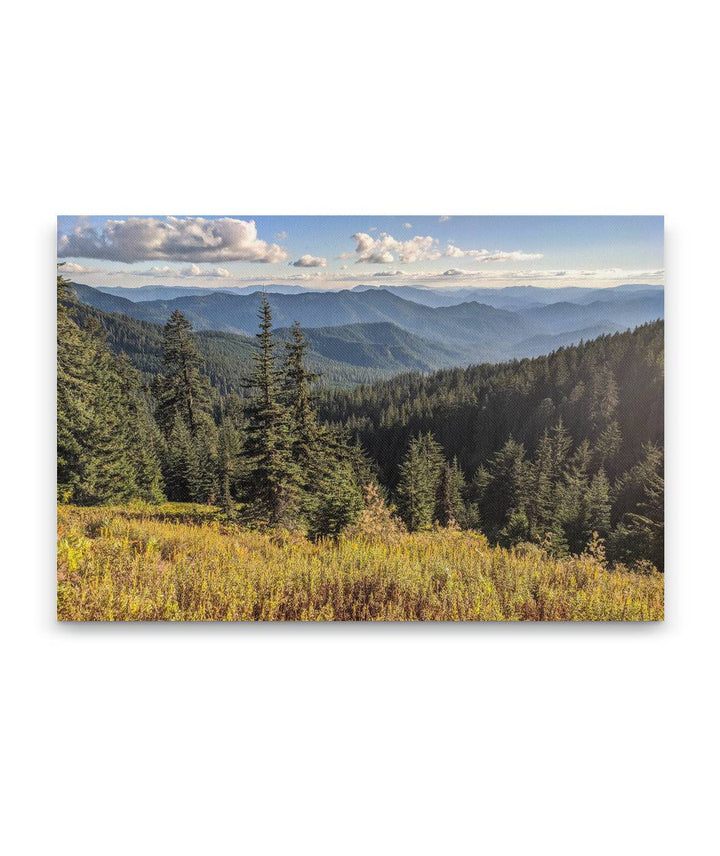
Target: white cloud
(407, 225)
(390, 273)
(281, 236)
(303, 276)
(177, 273)
(310, 261)
(74, 267)
(556, 277)
(454, 252)
(384, 249)
(444, 218)
(191, 239)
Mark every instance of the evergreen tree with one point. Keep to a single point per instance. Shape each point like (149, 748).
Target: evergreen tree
(603, 395)
(229, 461)
(108, 474)
(541, 504)
(337, 502)
(233, 411)
(449, 503)
(334, 495)
(599, 504)
(573, 499)
(273, 477)
(146, 444)
(419, 477)
(561, 443)
(516, 530)
(183, 389)
(508, 488)
(205, 483)
(102, 456)
(608, 444)
(296, 381)
(640, 534)
(181, 464)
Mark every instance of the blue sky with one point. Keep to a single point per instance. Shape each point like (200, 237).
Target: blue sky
(342, 251)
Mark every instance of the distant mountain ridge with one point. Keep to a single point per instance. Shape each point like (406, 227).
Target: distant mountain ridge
(143, 293)
(510, 297)
(513, 297)
(468, 331)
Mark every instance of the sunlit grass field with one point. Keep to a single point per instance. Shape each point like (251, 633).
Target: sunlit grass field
(183, 563)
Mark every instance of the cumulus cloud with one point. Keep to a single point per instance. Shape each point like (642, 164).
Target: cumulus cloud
(310, 261)
(383, 249)
(444, 218)
(189, 239)
(408, 225)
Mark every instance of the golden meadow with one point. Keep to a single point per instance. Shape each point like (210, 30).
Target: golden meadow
(181, 562)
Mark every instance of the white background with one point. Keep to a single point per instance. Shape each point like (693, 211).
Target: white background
(359, 739)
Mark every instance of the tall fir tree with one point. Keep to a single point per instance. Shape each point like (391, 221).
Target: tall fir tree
(599, 504)
(297, 380)
(420, 474)
(507, 491)
(541, 505)
(273, 475)
(182, 389)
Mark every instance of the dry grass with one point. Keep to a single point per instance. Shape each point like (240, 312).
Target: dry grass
(181, 563)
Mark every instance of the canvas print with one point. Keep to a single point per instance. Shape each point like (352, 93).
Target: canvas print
(360, 418)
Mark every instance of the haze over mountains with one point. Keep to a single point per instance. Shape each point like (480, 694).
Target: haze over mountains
(397, 328)
(168, 292)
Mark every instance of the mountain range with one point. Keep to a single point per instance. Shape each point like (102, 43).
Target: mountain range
(383, 330)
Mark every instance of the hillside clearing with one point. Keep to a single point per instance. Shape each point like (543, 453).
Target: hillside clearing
(179, 562)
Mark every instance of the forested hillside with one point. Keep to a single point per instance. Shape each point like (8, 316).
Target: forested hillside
(563, 451)
(559, 446)
(342, 356)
